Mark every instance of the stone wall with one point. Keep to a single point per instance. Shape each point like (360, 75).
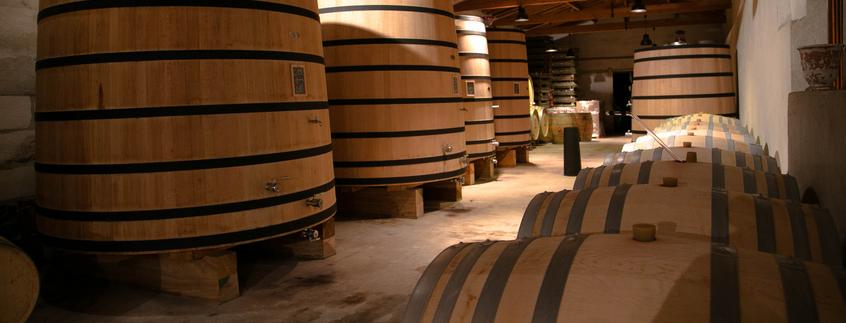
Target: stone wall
(17, 98)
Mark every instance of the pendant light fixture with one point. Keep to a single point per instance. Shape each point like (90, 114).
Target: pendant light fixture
(638, 6)
(522, 16)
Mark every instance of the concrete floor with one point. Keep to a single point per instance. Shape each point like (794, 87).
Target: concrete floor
(369, 280)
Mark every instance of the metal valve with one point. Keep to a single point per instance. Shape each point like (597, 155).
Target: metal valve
(495, 143)
(272, 186)
(494, 161)
(495, 106)
(463, 160)
(311, 234)
(314, 201)
(447, 148)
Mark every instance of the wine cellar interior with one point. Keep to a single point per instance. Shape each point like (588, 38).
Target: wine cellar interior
(422, 161)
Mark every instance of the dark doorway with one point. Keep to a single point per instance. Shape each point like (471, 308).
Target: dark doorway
(620, 103)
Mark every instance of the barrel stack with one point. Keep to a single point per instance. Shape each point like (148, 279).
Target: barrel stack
(180, 145)
(647, 237)
(394, 87)
(510, 79)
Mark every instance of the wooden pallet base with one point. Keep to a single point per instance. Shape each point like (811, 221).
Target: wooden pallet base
(512, 156)
(207, 274)
(396, 201)
(479, 169)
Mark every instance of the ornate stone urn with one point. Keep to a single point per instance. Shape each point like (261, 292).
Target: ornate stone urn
(821, 65)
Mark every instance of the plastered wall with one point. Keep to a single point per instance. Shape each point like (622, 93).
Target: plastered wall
(768, 63)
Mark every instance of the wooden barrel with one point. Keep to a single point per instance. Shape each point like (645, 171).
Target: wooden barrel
(702, 132)
(543, 121)
(510, 76)
(613, 278)
(704, 155)
(695, 175)
(476, 90)
(581, 120)
(743, 220)
(671, 81)
(696, 141)
(709, 122)
(536, 127)
(704, 117)
(193, 136)
(19, 283)
(394, 89)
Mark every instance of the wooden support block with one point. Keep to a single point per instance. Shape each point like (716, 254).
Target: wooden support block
(446, 191)
(376, 202)
(506, 158)
(522, 155)
(470, 174)
(485, 168)
(209, 275)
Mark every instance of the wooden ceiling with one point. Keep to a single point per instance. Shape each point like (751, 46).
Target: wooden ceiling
(580, 16)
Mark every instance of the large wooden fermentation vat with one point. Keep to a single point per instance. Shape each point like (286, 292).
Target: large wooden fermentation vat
(695, 175)
(19, 283)
(394, 90)
(209, 129)
(510, 76)
(705, 155)
(671, 81)
(476, 87)
(743, 220)
(613, 278)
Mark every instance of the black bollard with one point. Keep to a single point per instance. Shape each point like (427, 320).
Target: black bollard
(572, 154)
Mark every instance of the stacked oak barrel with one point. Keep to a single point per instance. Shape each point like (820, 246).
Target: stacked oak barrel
(720, 236)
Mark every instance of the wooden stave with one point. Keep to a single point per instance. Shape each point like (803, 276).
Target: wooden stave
(696, 141)
(510, 86)
(693, 175)
(439, 50)
(478, 114)
(21, 283)
(730, 158)
(511, 281)
(96, 228)
(712, 69)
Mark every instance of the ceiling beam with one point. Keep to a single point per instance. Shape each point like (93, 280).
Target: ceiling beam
(597, 13)
(717, 18)
(503, 4)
